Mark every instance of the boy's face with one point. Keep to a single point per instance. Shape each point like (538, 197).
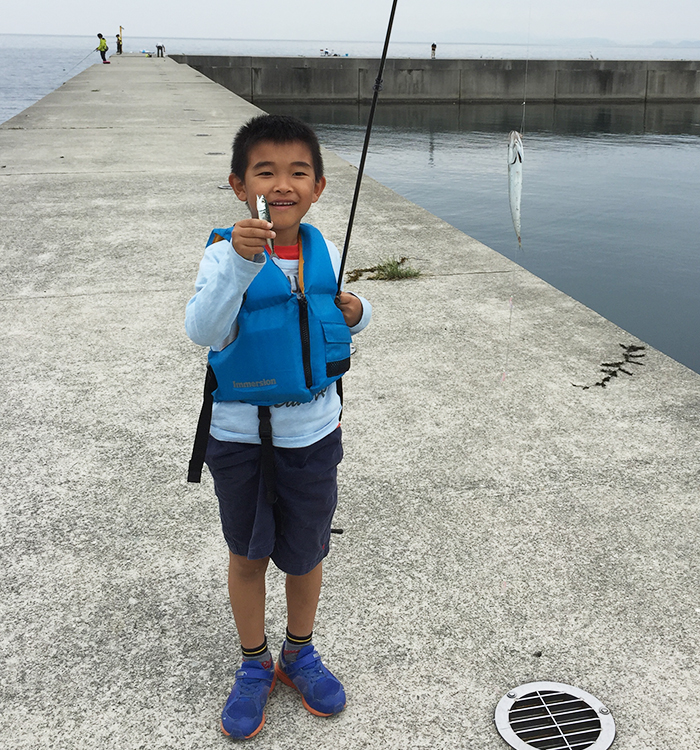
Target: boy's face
(284, 174)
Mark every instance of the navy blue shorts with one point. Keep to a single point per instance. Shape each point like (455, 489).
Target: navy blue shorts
(295, 532)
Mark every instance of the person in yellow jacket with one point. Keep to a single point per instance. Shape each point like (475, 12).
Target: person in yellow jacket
(102, 48)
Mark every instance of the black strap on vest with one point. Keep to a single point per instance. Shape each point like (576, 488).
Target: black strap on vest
(339, 391)
(267, 454)
(201, 438)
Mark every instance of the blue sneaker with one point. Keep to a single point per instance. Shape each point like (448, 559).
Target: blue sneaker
(244, 713)
(321, 692)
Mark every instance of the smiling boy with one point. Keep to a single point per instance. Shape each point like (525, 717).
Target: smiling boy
(279, 342)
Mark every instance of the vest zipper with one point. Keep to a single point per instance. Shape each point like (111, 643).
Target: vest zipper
(305, 338)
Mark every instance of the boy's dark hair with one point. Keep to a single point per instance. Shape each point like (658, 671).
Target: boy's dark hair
(278, 129)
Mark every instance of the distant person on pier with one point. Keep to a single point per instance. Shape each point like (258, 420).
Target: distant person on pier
(102, 48)
(119, 44)
(160, 50)
(433, 47)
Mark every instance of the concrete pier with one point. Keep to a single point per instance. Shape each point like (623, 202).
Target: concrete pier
(324, 79)
(497, 531)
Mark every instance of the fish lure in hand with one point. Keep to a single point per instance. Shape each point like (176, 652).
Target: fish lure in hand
(264, 214)
(515, 178)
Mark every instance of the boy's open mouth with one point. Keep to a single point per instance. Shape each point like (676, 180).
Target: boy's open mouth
(281, 204)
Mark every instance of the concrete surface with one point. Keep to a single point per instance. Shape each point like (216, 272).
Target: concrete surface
(496, 532)
(261, 79)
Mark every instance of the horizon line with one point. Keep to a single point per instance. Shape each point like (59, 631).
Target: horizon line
(658, 43)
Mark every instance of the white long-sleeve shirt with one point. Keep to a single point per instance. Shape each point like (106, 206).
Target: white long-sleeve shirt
(211, 320)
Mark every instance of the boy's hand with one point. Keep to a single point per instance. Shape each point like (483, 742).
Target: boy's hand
(351, 307)
(249, 235)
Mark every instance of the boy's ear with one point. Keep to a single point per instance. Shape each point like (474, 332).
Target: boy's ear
(238, 187)
(319, 186)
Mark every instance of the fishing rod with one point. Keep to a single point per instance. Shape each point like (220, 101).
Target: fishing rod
(83, 60)
(377, 89)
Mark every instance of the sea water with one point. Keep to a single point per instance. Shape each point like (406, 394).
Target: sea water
(610, 199)
(610, 196)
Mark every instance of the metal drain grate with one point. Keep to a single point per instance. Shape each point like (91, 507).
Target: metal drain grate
(554, 716)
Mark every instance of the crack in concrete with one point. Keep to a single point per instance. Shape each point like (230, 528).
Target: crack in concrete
(115, 292)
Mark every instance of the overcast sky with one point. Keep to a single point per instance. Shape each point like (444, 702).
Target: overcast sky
(623, 21)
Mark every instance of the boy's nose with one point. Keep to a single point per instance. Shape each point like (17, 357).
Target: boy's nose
(282, 185)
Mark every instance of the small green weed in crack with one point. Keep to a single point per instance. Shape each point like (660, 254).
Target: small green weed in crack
(388, 270)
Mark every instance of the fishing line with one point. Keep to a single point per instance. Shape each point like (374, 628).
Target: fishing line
(522, 133)
(527, 64)
(365, 147)
(510, 323)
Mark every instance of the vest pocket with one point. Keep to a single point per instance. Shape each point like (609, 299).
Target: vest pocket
(337, 338)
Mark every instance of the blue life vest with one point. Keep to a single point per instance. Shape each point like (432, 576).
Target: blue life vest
(290, 345)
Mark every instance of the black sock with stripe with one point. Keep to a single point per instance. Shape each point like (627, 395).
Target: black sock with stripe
(293, 644)
(261, 654)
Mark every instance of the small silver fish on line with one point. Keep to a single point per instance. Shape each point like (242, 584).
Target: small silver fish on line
(264, 213)
(515, 178)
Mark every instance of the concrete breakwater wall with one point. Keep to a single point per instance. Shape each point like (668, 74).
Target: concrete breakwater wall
(352, 79)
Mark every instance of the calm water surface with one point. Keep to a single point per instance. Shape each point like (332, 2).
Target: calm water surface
(610, 218)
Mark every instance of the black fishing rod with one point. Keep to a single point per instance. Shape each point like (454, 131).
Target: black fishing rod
(377, 89)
